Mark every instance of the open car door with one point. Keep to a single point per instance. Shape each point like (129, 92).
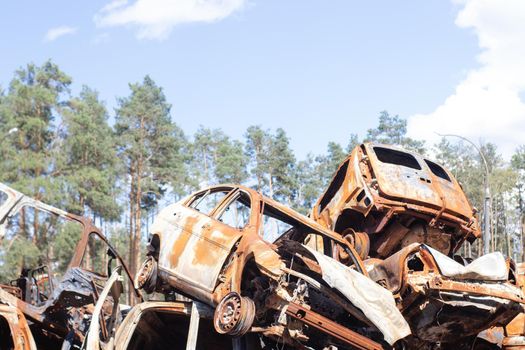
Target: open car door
(106, 315)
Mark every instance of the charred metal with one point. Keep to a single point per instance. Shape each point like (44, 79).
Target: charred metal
(374, 266)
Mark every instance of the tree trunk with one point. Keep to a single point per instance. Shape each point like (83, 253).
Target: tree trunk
(521, 238)
(138, 222)
(131, 262)
(270, 184)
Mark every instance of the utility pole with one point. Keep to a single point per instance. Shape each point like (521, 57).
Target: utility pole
(487, 199)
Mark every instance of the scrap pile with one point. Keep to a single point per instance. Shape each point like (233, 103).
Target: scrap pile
(376, 265)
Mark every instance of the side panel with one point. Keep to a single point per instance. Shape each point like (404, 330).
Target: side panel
(194, 246)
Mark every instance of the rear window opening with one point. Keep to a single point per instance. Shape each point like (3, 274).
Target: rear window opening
(437, 170)
(335, 185)
(391, 156)
(360, 196)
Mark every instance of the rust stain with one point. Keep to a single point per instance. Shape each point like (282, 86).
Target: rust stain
(378, 188)
(180, 244)
(206, 254)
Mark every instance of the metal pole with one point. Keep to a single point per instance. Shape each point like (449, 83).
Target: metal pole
(486, 201)
(193, 331)
(486, 212)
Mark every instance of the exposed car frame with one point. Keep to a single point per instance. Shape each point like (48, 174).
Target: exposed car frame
(259, 286)
(407, 216)
(68, 307)
(382, 198)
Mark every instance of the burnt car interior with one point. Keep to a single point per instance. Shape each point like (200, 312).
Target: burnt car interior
(163, 330)
(55, 289)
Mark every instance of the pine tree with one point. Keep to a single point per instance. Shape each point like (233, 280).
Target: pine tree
(256, 147)
(217, 159)
(231, 162)
(272, 162)
(150, 145)
(34, 100)
(29, 115)
(392, 131)
(352, 143)
(91, 164)
(281, 168)
(518, 164)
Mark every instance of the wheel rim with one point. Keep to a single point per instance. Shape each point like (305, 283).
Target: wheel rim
(145, 274)
(234, 315)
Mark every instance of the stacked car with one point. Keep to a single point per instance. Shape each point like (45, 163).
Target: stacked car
(376, 265)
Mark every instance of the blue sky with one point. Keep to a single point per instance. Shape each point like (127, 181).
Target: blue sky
(319, 69)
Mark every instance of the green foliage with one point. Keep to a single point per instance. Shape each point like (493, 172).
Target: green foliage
(231, 162)
(63, 150)
(311, 179)
(518, 159)
(392, 131)
(151, 147)
(90, 164)
(272, 162)
(217, 158)
(64, 244)
(149, 143)
(257, 144)
(281, 167)
(17, 253)
(34, 99)
(352, 143)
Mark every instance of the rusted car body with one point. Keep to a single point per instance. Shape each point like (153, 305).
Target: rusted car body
(445, 302)
(383, 198)
(155, 325)
(14, 330)
(512, 335)
(58, 309)
(407, 216)
(258, 264)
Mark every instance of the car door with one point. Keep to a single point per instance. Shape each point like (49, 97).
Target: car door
(195, 245)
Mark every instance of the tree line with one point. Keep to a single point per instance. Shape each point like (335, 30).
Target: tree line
(62, 149)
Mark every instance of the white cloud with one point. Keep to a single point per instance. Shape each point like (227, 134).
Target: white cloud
(101, 39)
(487, 104)
(156, 18)
(55, 33)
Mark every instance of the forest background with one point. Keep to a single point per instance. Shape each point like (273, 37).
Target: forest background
(120, 167)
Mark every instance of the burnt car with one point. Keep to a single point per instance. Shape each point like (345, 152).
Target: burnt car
(446, 302)
(14, 330)
(58, 294)
(512, 335)
(266, 270)
(407, 216)
(156, 325)
(383, 198)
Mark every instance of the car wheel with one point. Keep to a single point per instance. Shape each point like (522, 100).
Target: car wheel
(234, 315)
(146, 277)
